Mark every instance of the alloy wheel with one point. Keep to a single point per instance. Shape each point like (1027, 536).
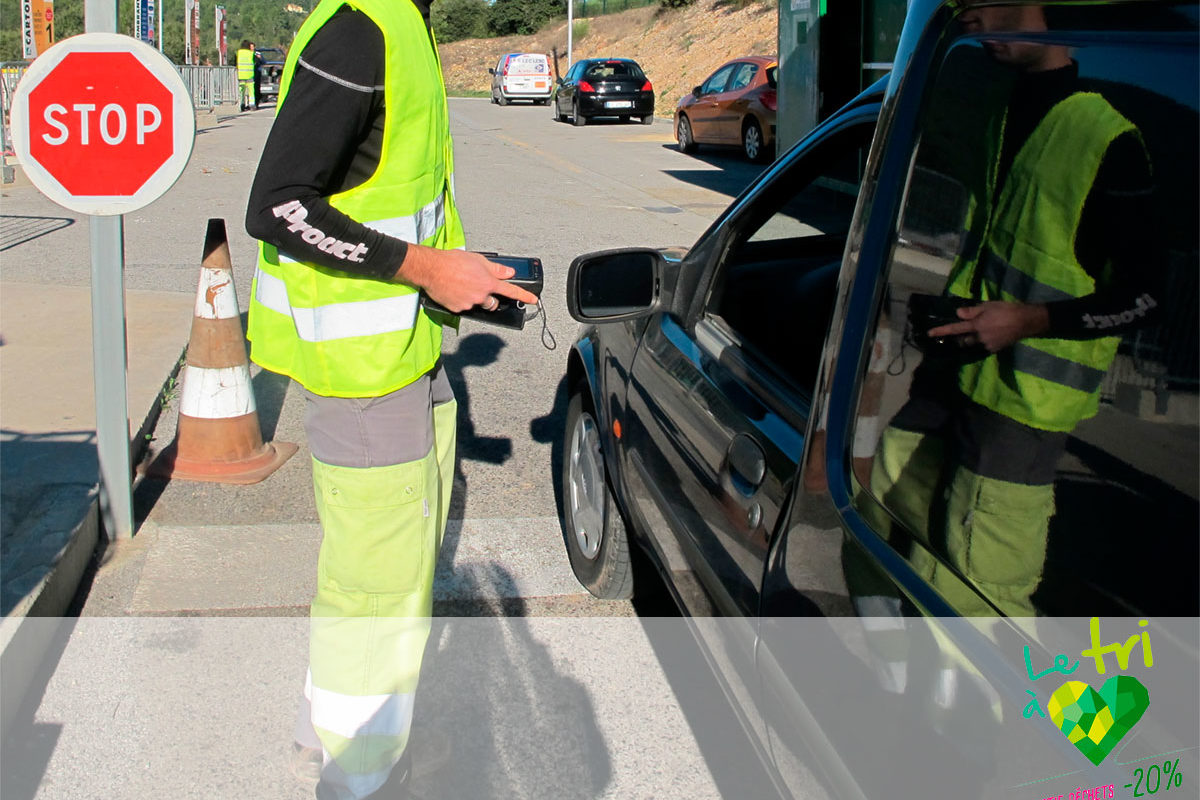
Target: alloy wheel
(585, 486)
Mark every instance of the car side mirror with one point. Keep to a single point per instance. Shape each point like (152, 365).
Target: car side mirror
(491, 70)
(614, 285)
(695, 91)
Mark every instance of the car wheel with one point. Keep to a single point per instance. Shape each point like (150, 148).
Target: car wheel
(576, 117)
(502, 100)
(752, 141)
(555, 113)
(684, 134)
(648, 119)
(597, 544)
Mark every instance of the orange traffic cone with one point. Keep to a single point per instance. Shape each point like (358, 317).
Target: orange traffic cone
(218, 438)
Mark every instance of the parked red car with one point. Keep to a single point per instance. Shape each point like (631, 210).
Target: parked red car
(735, 106)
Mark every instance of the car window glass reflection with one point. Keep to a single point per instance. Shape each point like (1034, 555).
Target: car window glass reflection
(1036, 358)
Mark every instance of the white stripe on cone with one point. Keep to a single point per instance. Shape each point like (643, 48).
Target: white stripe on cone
(216, 393)
(216, 298)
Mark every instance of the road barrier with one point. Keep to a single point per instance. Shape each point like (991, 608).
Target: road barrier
(209, 86)
(10, 76)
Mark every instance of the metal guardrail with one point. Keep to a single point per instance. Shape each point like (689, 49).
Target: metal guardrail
(209, 87)
(10, 75)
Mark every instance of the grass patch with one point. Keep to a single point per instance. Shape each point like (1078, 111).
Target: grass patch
(454, 91)
(580, 28)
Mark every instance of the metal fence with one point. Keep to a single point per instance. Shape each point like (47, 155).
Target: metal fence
(10, 76)
(209, 87)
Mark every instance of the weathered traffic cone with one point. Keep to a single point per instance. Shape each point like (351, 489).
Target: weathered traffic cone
(218, 438)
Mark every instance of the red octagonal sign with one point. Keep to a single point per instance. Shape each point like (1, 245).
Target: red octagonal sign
(102, 123)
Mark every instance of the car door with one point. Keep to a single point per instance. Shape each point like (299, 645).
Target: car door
(718, 396)
(732, 103)
(565, 95)
(911, 674)
(704, 111)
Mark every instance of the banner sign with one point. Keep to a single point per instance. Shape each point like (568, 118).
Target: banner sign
(37, 27)
(191, 39)
(143, 21)
(195, 28)
(222, 39)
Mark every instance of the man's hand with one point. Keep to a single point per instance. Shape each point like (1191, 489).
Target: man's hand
(995, 324)
(458, 279)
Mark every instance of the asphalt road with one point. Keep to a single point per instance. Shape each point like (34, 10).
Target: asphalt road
(179, 677)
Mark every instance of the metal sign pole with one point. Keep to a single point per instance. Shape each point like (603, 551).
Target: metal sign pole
(109, 356)
(109, 363)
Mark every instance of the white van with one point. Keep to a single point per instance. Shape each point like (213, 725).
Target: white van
(522, 76)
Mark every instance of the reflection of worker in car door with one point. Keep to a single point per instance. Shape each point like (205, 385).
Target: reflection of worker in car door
(1059, 244)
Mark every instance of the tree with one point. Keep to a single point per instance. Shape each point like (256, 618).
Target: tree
(523, 16)
(459, 19)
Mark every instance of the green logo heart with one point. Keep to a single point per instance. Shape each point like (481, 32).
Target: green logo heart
(1095, 721)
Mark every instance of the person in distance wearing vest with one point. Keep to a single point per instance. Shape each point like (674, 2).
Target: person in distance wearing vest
(245, 74)
(353, 204)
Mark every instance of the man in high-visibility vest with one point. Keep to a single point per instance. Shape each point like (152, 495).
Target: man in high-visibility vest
(354, 205)
(245, 73)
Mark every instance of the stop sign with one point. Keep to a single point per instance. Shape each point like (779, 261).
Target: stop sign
(102, 123)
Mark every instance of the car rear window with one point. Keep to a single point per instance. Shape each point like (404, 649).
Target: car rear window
(614, 69)
(528, 64)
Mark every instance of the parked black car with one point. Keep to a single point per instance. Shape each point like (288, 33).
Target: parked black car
(727, 404)
(271, 70)
(604, 87)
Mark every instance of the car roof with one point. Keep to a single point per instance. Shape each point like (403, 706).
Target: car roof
(760, 60)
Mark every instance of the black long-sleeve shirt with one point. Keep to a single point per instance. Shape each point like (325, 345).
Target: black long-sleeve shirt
(327, 138)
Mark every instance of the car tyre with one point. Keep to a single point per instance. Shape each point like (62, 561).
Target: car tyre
(597, 543)
(648, 119)
(684, 134)
(752, 142)
(576, 117)
(501, 99)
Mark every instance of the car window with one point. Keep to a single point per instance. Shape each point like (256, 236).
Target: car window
(613, 69)
(1053, 471)
(741, 77)
(716, 82)
(775, 286)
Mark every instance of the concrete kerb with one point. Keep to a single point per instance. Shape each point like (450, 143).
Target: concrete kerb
(24, 647)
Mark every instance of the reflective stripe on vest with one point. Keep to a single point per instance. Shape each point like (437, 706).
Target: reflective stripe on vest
(1017, 284)
(340, 320)
(1027, 254)
(415, 228)
(1050, 367)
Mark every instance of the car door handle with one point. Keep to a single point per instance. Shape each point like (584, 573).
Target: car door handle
(746, 464)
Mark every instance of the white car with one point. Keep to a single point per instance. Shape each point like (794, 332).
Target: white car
(522, 76)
